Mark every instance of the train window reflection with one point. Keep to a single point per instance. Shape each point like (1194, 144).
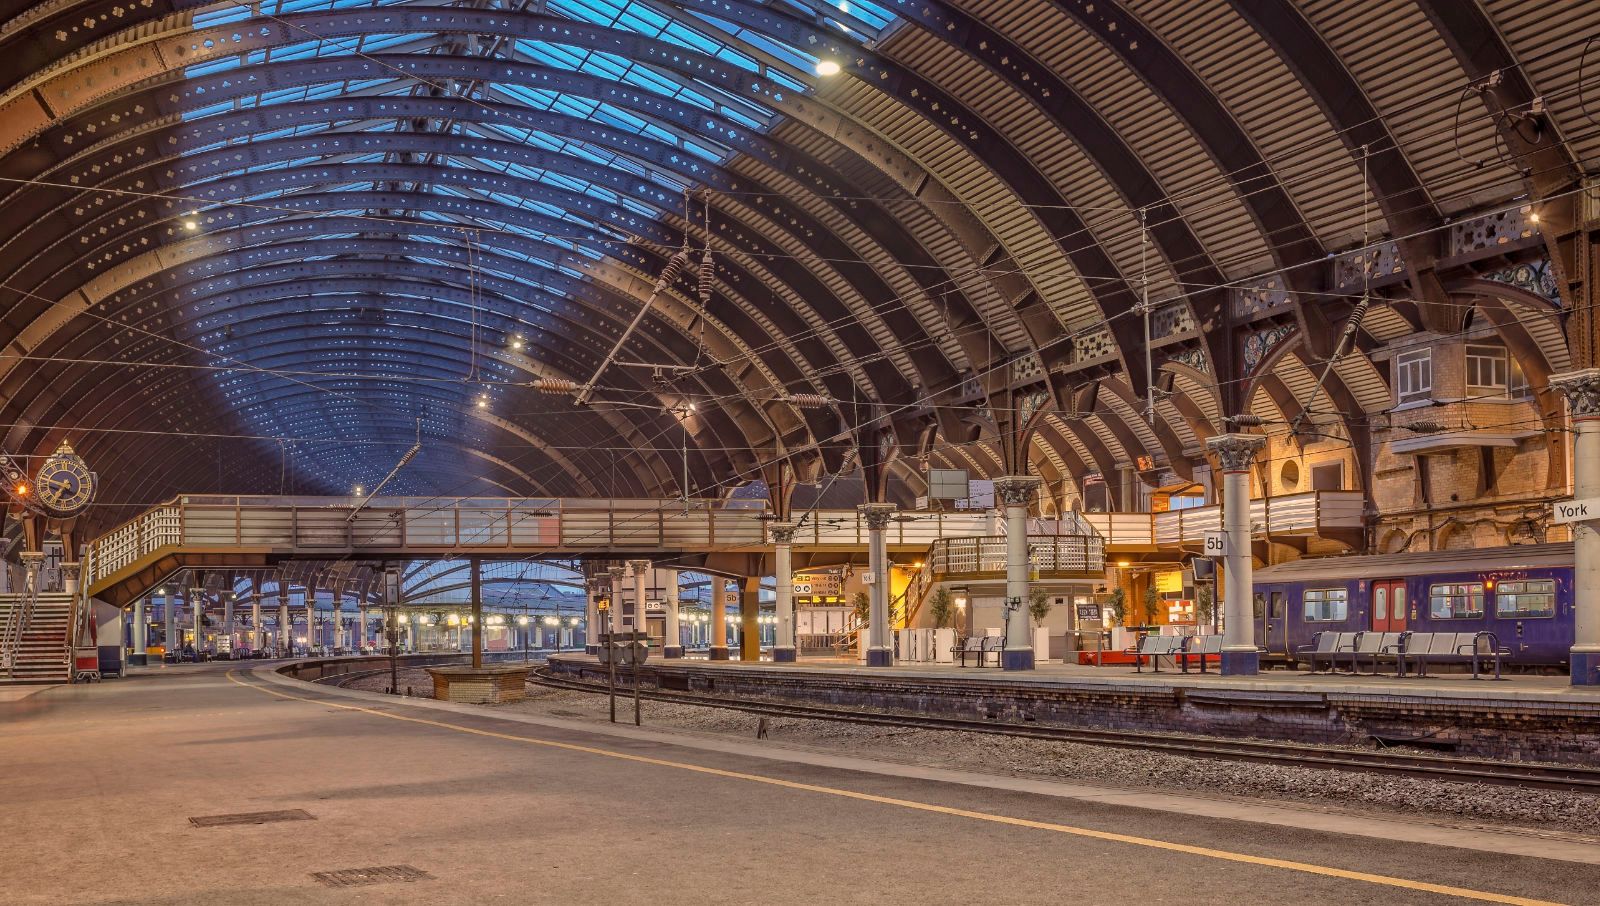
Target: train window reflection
(1528, 598)
(1325, 605)
(1456, 601)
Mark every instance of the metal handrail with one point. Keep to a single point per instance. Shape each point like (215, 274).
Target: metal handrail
(21, 615)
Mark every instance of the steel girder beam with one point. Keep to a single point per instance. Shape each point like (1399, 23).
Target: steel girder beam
(1398, 192)
(1549, 170)
(1288, 237)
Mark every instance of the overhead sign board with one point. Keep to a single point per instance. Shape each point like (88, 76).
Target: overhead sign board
(1568, 511)
(947, 484)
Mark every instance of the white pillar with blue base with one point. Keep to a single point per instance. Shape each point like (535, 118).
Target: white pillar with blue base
(1014, 492)
(1235, 453)
(783, 651)
(880, 652)
(1582, 390)
(673, 645)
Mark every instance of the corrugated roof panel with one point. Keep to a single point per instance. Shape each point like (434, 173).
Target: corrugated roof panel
(1553, 66)
(1410, 75)
(1268, 101)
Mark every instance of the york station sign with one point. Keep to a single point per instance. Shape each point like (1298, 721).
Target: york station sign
(1567, 511)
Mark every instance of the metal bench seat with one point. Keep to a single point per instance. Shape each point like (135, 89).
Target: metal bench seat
(1199, 646)
(1154, 647)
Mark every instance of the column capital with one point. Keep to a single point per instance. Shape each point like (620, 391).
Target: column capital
(1236, 451)
(782, 532)
(616, 572)
(1582, 390)
(1016, 490)
(877, 514)
(639, 567)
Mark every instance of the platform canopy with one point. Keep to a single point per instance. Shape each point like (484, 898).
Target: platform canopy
(267, 247)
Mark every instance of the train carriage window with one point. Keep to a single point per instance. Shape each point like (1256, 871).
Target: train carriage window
(1526, 598)
(1259, 605)
(1325, 605)
(1456, 601)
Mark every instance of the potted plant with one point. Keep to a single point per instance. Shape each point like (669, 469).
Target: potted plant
(863, 607)
(1147, 615)
(941, 607)
(1039, 605)
(1118, 606)
(1205, 606)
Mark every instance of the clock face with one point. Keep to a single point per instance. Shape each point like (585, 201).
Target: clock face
(65, 484)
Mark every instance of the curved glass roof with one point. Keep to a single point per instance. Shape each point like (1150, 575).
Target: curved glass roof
(493, 191)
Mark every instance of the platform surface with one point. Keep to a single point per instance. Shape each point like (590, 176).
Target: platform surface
(101, 781)
(1512, 688)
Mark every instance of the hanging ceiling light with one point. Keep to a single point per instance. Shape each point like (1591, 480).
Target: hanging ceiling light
(827, 68)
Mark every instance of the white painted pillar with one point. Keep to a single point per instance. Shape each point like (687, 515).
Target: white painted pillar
(1582, 390)
(718, 650)
(673, 645)
(641, 591)
(361, 626)
(880, 640)
(1014, 492)
(783, 648)
(285, 625)
(227, 619)
(197, 602)
(139, 641)
(591, 619)
(616, 573)
(1235, 452)
(169, 619)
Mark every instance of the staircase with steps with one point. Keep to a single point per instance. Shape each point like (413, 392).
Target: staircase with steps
(42, 652)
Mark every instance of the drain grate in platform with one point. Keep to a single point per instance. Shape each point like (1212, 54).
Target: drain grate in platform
(383, 874)
(292, 814)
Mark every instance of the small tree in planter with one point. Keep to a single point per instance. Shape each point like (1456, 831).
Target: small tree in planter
(942, 607)
(1118, 606)
(1039, 606)
(1147, 615)
(863, 607)
(1205, 606)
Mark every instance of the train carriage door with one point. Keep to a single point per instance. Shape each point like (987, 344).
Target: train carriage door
(1272, 624)
(1389, 605)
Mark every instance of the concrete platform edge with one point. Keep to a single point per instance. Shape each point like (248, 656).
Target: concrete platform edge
(1509, 842)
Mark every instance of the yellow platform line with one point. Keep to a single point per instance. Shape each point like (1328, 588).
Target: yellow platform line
(1108, 836)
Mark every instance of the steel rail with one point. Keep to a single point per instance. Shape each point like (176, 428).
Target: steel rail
(1460, 770)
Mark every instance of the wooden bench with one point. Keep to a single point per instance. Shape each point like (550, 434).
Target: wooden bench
(1201, 647)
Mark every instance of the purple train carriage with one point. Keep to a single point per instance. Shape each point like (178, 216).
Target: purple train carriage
(1521, 594)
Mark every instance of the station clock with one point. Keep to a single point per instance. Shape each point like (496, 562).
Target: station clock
(64, 484)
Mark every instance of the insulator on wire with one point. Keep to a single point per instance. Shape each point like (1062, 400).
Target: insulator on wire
(1424, 427)
(708, 277)
(808, 400)
(1246, 420)
(554, 385)
(669, 274)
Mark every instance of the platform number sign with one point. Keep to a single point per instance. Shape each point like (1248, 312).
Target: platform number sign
(1216, 544)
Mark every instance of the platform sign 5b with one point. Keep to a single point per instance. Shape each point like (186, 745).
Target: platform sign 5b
(1216, 545)
(1567, 511)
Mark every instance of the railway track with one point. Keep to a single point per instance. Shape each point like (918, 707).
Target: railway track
(1428, 767)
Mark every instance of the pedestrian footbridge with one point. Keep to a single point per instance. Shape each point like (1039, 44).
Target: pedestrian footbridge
(254, 532)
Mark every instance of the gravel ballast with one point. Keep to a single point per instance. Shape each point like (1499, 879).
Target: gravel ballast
(1332, 790)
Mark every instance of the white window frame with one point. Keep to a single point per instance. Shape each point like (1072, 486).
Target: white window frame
(1488, 370)
(1413, 375)
(1324, 603)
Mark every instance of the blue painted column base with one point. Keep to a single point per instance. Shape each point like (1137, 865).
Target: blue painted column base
(880, 657)
(591, 649)
(717, 654)
(1241, 663)
(138, 660)
(1586, 668)
(672, 651)
(783, 655)
(1018, 659)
